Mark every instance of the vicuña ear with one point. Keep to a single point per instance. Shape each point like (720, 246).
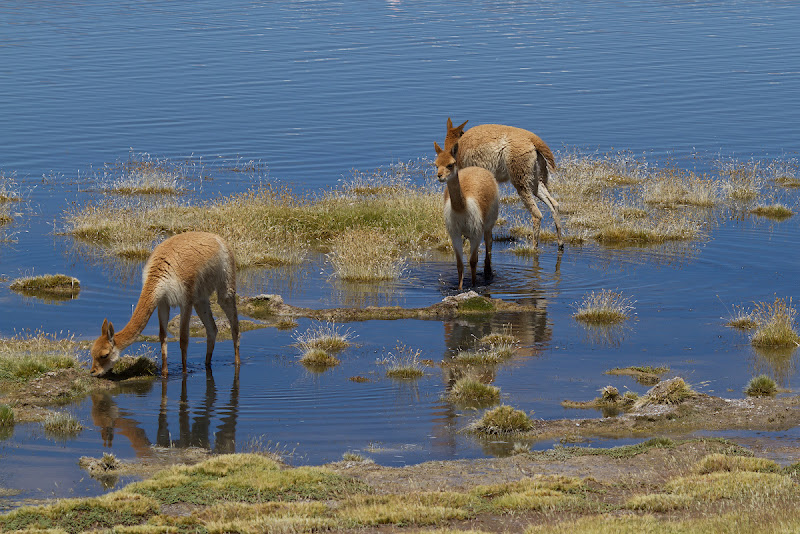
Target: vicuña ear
(110, 333)
(438, 148)
(460, 127)
(104, 328)
(449, 123)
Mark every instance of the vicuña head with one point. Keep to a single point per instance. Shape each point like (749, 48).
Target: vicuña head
(183, 271)
(509, 154)
(471, 205)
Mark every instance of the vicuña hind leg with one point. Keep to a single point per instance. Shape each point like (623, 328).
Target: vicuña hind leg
(474, 245)
(228, 304)
(548, 199)
(530, 203)
(203, 308)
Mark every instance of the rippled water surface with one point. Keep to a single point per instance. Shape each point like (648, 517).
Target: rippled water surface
(311, 90)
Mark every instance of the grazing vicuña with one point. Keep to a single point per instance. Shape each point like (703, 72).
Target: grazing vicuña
(183, 271)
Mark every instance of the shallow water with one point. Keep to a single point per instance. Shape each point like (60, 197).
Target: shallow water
(312, 90)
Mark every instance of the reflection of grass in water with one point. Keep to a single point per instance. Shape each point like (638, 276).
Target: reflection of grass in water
(777, 362)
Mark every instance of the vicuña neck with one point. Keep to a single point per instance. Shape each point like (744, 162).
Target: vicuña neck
(457, 202)
(141, 315)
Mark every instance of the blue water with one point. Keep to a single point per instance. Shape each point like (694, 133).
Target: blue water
(312, 90)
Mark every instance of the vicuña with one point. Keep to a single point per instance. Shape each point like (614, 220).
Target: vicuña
(471, 204)
(183, 271)
(510, 154)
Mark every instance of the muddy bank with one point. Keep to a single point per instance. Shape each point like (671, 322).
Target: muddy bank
(272, 307)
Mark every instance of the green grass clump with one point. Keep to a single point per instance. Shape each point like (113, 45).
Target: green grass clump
(365, 255)
(604, 307)
(6, 415)
(778, 212)
(476, 305)
(404, 363)
(28, 356)
(327, 337)
(58, 286)
(317, 358)
(503, 420)
(62, 425)
(761, 386)
(471, 391)
(776, 325)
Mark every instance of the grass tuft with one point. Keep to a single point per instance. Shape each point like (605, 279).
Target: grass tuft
(317, 358)
(365, 255)
(62, 425)
(404, 363)
(503, 420)
(56, 286)
(776, 325)
(604, 307)
(779, 212)
(472, 392)
(327, 337)
(6, 415)
(761, 386)
(672, 391)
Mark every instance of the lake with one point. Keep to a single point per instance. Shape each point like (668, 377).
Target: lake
(309, 91)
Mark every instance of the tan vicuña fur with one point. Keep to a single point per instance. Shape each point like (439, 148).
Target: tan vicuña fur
(510, 154)
(183, 271)
(471, 204)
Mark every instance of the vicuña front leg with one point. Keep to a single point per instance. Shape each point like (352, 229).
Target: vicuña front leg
(163, 321)
(204, 312)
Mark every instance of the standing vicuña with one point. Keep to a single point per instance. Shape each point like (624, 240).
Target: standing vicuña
(471, 203)
(184, 271)
(510, 154)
